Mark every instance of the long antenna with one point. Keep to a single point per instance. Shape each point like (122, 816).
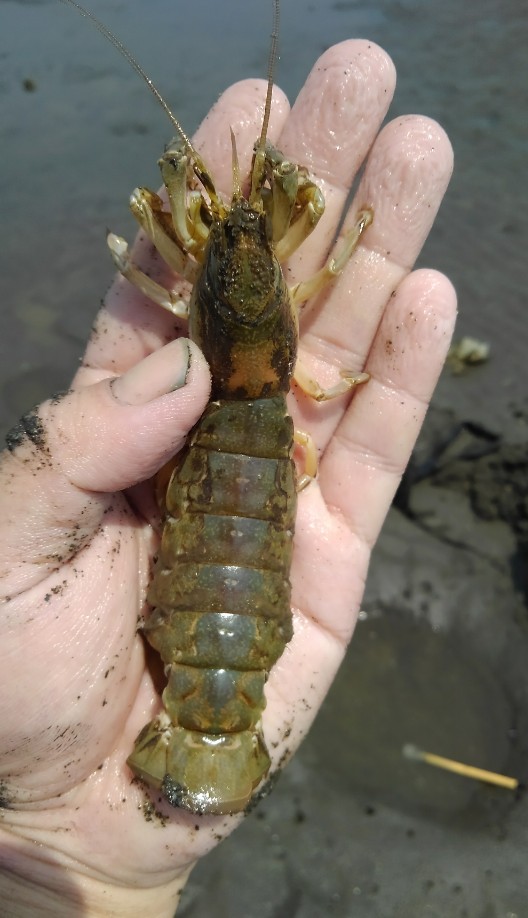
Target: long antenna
(259, 162)
(272, 59)
(133, 63)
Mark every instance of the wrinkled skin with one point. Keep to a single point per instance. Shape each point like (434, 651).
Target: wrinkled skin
(75, 551)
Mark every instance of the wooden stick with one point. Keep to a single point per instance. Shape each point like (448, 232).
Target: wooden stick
(468, 771)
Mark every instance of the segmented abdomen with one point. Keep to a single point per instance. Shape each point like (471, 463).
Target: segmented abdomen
(221, 590)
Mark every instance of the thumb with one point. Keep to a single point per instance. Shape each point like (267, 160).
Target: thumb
(66, 457)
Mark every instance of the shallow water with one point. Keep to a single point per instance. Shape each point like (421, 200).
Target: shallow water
(350, 831)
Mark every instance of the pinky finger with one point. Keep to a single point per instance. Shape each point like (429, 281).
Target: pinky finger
(363, 464)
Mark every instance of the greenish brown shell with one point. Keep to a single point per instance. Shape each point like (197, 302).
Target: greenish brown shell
(221, 602)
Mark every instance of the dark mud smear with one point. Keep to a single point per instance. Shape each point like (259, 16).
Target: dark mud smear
(29, 427)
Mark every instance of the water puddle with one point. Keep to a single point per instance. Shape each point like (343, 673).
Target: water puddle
(404, 682)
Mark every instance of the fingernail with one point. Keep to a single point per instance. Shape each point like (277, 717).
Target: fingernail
(158, 374)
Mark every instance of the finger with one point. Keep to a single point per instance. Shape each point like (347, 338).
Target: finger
(363, 464)
(66, 457)
(405, 179)
(129, 326)
(330, 130)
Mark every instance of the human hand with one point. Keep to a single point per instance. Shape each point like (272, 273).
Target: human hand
(77, 836)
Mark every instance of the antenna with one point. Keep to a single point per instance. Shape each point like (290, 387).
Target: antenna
(200, 168)
(133, 63)
(272, 59)
(259, 164)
